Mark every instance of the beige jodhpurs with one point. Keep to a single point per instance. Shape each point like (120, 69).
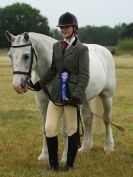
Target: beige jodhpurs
(54, 114)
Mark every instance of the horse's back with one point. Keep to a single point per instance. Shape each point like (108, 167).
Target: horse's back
(102, 71)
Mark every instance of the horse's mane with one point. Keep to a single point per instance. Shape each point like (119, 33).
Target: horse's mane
(43, 37)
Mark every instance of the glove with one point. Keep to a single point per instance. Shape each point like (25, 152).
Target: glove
(36, 86)
(73, 101)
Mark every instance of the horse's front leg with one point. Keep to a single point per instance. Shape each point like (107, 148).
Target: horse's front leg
(87, 120)
(65, 141)
(42, 103)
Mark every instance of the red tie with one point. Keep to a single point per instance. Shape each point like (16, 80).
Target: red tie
(65, 44)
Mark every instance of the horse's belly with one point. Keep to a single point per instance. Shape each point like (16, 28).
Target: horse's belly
(97, 80)
(95, 86)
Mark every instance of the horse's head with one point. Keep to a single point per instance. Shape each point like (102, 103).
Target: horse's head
(22, 56)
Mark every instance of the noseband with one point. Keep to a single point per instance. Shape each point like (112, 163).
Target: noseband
(31, 63)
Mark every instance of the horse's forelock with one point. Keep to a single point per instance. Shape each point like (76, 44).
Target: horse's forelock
(19, 39)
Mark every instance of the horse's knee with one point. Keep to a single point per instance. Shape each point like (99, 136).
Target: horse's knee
(87, 119)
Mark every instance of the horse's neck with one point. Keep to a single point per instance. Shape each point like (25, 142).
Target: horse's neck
(43, 46)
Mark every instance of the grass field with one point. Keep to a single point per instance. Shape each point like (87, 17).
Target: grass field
(20, 131)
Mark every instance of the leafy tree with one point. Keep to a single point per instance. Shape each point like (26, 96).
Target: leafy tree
(127, 31)
(98, 35)
(19, 18)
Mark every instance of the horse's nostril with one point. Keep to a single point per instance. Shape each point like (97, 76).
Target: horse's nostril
(23, 86)
(23, 82)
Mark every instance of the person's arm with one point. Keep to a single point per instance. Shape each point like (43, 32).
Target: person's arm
(83, 74)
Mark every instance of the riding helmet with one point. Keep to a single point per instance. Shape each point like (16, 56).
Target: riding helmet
(67, 19)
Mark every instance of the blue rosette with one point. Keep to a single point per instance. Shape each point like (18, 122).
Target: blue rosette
(64, 77)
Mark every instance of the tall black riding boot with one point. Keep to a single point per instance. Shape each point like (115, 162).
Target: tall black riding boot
(52, 144)
(72, 150)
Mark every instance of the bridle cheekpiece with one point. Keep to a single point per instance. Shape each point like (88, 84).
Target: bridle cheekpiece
(31, 63)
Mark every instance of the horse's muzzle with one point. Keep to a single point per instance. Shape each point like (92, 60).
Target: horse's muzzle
(20, 86)
(20, 89)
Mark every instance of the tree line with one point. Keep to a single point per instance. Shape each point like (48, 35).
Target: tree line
(21, 17)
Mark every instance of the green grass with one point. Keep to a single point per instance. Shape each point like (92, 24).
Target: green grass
(21, 139)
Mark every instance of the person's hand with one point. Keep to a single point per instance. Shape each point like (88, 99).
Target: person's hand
(36, 86)
(74, 101)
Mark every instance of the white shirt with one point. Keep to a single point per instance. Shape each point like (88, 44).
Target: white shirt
(69, 41)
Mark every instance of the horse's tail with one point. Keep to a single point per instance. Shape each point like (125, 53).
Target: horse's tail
(97, 108)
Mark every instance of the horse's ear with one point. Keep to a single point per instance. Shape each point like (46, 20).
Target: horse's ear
(26, 36)
(10, 37)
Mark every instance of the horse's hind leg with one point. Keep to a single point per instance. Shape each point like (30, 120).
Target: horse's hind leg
(87, 120)
(107, 104)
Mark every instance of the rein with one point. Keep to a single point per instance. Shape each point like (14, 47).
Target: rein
(112, 123)
(31, 63)
(46, 92)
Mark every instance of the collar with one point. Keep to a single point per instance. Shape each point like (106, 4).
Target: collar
(70, 41)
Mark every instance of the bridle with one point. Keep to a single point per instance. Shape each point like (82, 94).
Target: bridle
(31, 63)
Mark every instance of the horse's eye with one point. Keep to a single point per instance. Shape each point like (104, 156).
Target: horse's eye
(26, 56)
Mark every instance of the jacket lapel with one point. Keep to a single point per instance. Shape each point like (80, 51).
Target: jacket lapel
(60, 48)
(68, 51)
(71, 48)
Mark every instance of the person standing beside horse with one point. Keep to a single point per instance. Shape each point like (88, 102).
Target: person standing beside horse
(69, 77)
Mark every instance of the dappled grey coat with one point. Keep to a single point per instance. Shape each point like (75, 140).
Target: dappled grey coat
(75, 60)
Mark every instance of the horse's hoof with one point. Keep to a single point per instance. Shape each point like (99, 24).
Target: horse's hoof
(108, 152)
(83, 149)
(43, 157)
(63, 160)
(86, 147)
(108, 148)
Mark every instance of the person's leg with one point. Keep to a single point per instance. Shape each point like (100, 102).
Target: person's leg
(73, 135)
(70, 119)
(54, 114)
